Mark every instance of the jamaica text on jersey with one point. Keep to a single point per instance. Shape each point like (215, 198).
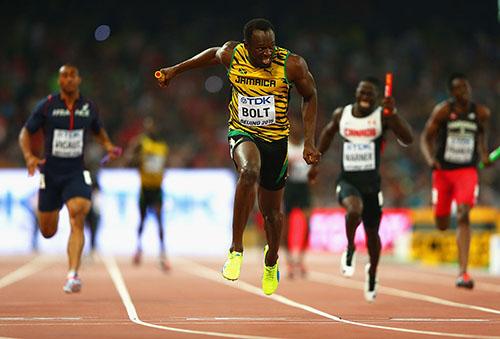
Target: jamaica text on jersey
(259, 96)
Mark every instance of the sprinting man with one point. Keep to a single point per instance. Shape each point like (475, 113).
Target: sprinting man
(261, 76)
(362, 128)
(149, 153)
(453, 141)
(66, 118)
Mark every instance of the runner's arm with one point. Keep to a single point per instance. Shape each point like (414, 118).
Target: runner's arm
(298, 73)
(25, 144)
(482, 137)
(429, 134)
(103, 139)
(325, 139)
(209, 57)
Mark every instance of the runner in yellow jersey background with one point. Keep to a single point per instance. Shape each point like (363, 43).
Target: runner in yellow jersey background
(148, 152)
(261, 76)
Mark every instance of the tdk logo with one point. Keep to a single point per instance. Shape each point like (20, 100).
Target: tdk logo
(256, 101)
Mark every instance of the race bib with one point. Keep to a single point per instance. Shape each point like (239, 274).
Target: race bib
(459, 148)
(256, 111)
(153, 163)
(359, 157)
(67, 143)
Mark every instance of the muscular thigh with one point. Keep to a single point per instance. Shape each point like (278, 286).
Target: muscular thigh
(244, 151)
(78, 206)
(78, 184)
(274, 167)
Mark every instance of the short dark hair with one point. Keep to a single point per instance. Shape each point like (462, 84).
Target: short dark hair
(374, 81)
(69, 65)
(453, 76)
(256, 24)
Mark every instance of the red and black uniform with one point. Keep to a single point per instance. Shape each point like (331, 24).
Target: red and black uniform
(457, 153)
(63, 176)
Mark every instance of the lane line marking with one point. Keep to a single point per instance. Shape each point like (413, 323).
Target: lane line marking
(241, 319)
(30, 268)
(121, 287)
(429, 278)
(439, 320)
(38, 318)
(355, 284)
(210, 274)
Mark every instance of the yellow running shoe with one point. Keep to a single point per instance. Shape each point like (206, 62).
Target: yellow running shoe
(270, 277)
(231, 269)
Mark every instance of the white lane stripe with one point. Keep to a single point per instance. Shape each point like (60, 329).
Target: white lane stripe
(354, 284)
(443, 280)
(119, 283)
(241, 319)
(33, 266)
(209, 274)
(38, 318)
(438, 320)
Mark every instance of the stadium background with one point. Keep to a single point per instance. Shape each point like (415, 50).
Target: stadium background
(422, 43)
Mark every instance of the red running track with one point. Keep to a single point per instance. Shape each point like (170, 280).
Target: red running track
(119, 300)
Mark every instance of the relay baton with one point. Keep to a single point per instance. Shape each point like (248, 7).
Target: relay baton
(493, 157)
(116, 151)
(388, 84)
(388, 88)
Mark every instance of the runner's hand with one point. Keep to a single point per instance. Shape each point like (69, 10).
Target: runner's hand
(114, 152)
(32, 164)
(389, 106)
(167, 75)
(486, 161)
(311, 155)
(435, 165)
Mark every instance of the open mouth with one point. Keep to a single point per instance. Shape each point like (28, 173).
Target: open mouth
(266, 61)
(364, 104)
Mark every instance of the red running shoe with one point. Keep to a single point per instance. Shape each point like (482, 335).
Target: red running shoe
(465, 281)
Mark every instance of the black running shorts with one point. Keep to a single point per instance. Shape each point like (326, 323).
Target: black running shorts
(372, 202)
(273, 157)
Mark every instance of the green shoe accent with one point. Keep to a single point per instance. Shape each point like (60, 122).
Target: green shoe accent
(270, 277)
(232, 266)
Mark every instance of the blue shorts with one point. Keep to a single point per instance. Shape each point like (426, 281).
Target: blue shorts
(56, 189)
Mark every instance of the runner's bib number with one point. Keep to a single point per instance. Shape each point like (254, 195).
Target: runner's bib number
(256, 111)
(459, 148)
(67, 143)
(359, 157)
(153, 163)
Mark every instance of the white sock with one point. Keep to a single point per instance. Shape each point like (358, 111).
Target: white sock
(71, 274)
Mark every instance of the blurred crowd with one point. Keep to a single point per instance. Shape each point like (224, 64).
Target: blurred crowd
(118, 75)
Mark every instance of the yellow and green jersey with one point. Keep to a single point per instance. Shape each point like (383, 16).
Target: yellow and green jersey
(259, 96)
(153, 157)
